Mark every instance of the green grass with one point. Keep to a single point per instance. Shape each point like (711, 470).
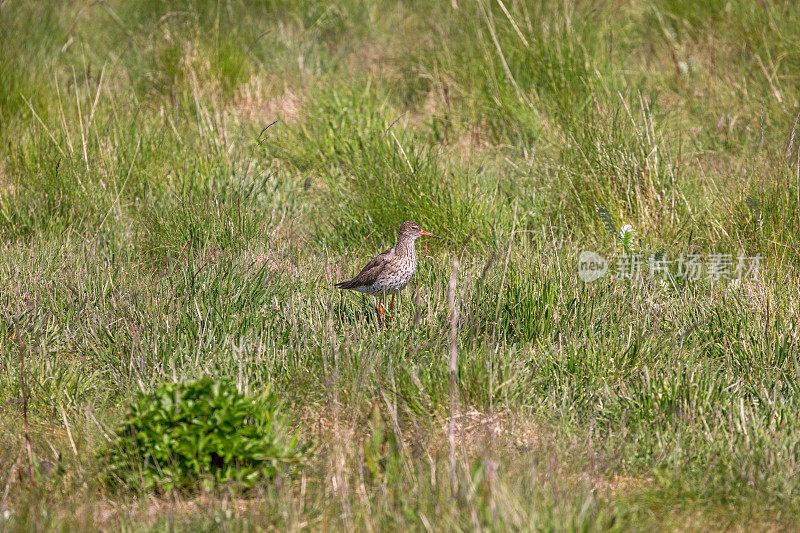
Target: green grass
(151, 232)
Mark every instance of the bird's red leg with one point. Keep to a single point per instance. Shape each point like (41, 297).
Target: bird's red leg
(391, 304)
(380, 309)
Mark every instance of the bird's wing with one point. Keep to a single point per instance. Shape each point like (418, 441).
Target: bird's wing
(370, 272)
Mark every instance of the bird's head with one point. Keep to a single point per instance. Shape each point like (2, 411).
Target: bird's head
(411, 229)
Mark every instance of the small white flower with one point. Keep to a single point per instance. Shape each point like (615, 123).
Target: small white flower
(625, 230)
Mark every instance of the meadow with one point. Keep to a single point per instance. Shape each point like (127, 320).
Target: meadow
(182, 183)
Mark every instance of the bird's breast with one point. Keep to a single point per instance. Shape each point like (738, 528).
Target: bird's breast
(396, 276)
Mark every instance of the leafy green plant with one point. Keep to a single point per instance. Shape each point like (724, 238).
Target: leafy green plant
(624, 236)
(200, 432)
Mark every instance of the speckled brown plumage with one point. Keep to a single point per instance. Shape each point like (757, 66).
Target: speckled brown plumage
(390, 272)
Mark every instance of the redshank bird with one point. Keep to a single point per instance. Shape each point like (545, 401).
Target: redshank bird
(391, 271)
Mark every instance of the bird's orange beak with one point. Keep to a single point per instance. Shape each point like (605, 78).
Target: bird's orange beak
(427, 234)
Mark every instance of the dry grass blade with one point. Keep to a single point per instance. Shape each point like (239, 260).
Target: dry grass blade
(452, 369)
